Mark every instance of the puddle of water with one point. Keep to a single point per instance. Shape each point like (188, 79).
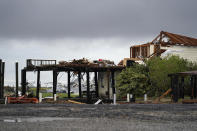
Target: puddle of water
(38, 119)
(12, 120)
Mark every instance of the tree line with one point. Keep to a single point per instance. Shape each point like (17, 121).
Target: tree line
(151, 77)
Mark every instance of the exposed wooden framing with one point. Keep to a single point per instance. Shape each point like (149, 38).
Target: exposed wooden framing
(75, 68)
(79, 82)
(175, 88)
(155, 38)
(1, 88)
(38, 84)
(182, 88)
(54, 81)
(68, 84)
(108, 84)
(23, 81)
(16, 66)
(195, 78)
(3, 72)
(96, 83)
(192, 87)
(88, 86)
(113, 82)
(180, 91)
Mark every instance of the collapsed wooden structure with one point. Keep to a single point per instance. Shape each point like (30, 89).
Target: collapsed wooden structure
(178, 86)
(51, 65)
(159, 44)
(2, 70)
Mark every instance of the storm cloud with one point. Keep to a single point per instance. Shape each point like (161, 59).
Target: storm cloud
(95, 19)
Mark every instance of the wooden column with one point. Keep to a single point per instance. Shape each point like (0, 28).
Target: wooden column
(88, 86)
(68, 84)
(175, 86)
(23, 81)
(96, 84)
(182, 87)
(16, 66)
(194, 86)
(3, 72)
(79, 80)
(1, 88)
(38, 84)
(54, 82)
(113, 82)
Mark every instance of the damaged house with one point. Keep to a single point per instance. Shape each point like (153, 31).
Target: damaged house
(166, 44)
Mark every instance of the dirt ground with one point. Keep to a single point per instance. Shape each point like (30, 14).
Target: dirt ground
(71, 117)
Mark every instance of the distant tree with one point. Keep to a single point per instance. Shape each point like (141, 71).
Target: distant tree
(151, 78)
(159, 70)
(132, 80)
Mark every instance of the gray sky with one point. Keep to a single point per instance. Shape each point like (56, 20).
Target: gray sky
(67, 29)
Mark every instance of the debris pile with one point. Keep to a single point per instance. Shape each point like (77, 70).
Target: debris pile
(104, 63)
(21, 99)
(86, 62)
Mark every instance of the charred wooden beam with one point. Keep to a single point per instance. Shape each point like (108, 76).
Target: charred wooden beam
(79, 80)
(194, 86)
(1, 88)
(113, 82)
(38, 84)
(23, 81)
(16, 66)
(54, 81)
(3, 72)
(88, 86)
(182, 88)
(175, 88)
(96, 83)
(68, 84)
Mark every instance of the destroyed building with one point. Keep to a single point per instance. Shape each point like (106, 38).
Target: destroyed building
(166, 44)
(104, 76)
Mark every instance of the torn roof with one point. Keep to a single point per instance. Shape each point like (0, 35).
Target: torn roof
(173, 39)
(180, 39)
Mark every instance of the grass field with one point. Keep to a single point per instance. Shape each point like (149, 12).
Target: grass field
(50, 94)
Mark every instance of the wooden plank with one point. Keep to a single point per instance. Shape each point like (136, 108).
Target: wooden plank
(79, 82)
(68, 84)
(16, 67)
(38, 84)
(96, 83)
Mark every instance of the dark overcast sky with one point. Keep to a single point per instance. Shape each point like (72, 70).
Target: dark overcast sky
(93, 19)
(67, 29)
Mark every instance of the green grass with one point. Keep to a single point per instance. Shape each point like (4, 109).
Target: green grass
(50, 94)
(60, 95)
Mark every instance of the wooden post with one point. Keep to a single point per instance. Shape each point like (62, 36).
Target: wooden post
(79, 80)
(182, 87)
(54, 82)
(108, 84)
(16, 65)
(68, 84)
(113, 82)
(96, 84)
(192, 89)
(38, 84)
(3, 71)
(1, 88)
(23, 81)
(88, 86)
(174, 86)
(194, 86)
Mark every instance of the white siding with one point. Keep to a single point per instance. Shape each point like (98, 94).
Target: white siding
(151, 49)
(186, 52)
